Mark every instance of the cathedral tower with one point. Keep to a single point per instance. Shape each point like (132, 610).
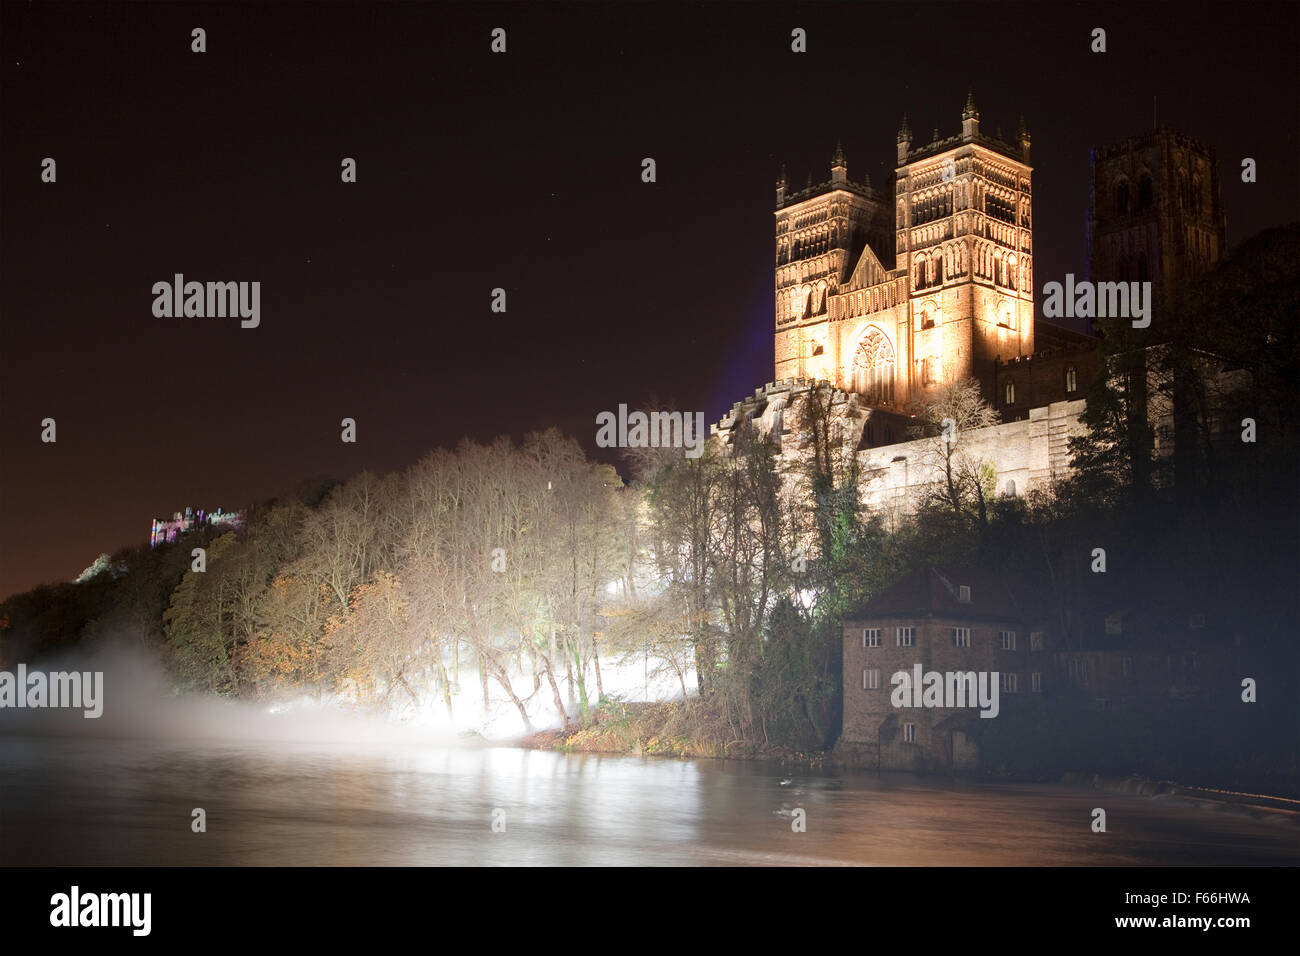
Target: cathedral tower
(889, 294)
(964, 235)
(821, 232)
(1157, 210)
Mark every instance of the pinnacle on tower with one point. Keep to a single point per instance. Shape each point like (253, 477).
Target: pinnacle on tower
(839, 167)
(904, 131)
(970, 118)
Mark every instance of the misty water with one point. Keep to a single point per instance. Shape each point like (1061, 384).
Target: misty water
(68, 800)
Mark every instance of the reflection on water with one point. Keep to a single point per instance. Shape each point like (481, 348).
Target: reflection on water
(66, 801)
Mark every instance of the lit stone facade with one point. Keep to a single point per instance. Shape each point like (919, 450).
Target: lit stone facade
(885, 295)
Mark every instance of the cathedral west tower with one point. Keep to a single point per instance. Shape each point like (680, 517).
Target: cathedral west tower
(887, 295)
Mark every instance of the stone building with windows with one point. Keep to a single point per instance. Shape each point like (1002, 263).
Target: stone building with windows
(952, 621)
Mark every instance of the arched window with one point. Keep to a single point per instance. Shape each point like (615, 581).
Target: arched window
(920, 272)
(1145, 192)
(1071, 379)
(1010, 393)
(1011, 487)
(873, 368)
(1121, 198)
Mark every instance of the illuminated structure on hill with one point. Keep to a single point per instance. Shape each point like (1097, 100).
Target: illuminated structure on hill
(163, 532)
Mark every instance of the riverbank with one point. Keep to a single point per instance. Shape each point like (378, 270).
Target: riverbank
(680, 729)
(685, 730)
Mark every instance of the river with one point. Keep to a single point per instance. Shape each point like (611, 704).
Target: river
(89, 802)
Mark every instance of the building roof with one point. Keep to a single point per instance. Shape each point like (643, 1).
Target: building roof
(934, 591)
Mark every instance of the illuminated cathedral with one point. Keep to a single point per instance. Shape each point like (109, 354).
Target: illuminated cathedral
(886, 294)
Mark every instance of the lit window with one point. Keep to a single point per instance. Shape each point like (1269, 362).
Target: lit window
(1010, 393)
(1071, 379)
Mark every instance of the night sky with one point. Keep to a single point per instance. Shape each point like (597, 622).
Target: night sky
(477, 171)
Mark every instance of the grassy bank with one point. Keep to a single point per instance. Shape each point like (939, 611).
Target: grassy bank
(681, 728)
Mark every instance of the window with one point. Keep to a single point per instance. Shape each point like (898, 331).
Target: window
(873, 368)
(1011, 488)
(1072, 669)
(909, 733)
(963, 593)
(1083, 671)
(1145, 192)
(1007, 640)
(1010, 683)
(1071, 379)
(1128, 667)
(1197, 620)
(1114, 624)
(871, 637)
(904, 637)
(961, 637)
(871, 679)
(1035, 640)
(1036, 682)
(1121, 198)
(1009, 393)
